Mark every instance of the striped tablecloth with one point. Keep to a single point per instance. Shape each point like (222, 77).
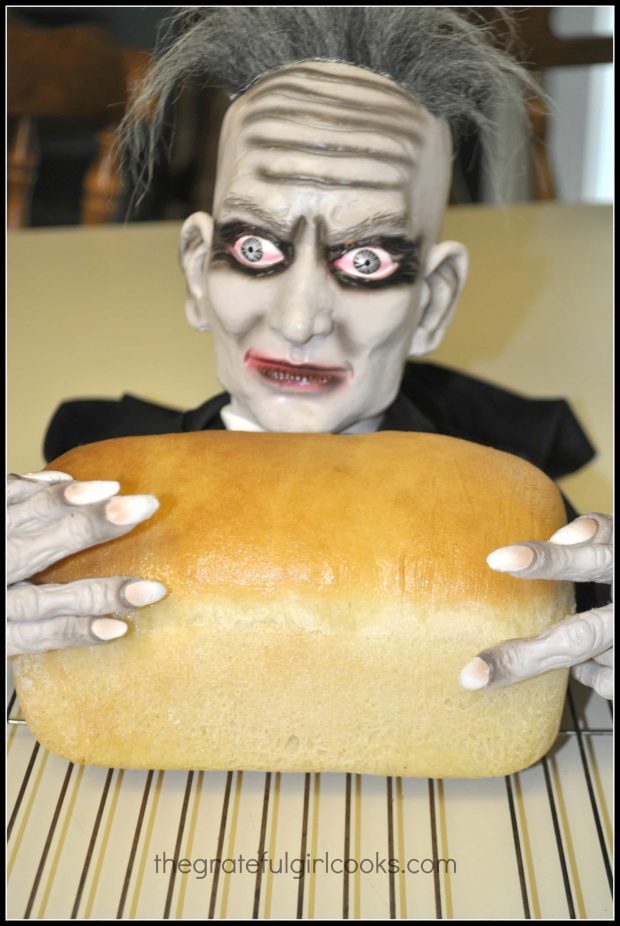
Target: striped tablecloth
(93, 843)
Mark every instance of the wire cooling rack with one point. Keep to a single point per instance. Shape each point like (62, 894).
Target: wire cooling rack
(93, 843)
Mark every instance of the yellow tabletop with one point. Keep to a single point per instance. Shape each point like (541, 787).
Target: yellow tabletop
(99, 312)
(96, 312)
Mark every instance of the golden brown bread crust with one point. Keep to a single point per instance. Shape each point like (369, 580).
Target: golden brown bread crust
(324, 592)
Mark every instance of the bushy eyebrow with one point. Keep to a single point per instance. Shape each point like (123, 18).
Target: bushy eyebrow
(394, 223)
(284, 230)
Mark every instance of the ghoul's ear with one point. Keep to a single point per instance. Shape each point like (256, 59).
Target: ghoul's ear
(446, 272)
(194, 247)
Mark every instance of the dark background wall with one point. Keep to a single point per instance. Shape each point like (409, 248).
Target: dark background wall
(66, 151)
(134, 27)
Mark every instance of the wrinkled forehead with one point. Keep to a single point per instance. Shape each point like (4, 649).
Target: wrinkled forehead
(342, 139)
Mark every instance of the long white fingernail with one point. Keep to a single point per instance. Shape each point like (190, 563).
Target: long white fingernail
(511, 559)
(130, 509)
(107, 629)
(576, 532)
(475, 674)
(144, 592)
(48, 475)
(85, 493)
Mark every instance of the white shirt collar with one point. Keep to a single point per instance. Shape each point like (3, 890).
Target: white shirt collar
(233, 421)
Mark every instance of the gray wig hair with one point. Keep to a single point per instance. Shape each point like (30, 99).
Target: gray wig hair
(440, 55)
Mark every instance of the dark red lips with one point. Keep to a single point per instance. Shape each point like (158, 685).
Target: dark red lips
(306, 377)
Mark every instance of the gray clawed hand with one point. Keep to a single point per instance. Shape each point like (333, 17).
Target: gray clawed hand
(51, 516)
(580, 552)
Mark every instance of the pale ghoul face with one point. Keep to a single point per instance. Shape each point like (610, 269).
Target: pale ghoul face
(318, 272)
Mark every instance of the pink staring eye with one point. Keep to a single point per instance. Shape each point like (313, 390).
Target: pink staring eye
(252, 251)
(371, 263)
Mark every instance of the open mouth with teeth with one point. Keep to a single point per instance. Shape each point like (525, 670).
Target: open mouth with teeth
(294, 377)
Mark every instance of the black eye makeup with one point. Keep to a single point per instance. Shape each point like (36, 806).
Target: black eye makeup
(373, 263)
(251, 249)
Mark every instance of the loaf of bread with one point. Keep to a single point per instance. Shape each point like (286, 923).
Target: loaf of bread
(324, 592)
